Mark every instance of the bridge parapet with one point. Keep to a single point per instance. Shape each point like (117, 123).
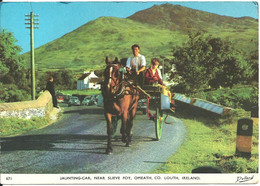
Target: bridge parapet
(202, 104)
(27, 109)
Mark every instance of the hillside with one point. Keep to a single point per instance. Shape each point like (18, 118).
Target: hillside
(176, 17)
(87, 46)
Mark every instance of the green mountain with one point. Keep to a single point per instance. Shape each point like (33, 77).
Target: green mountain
(176, 17)
(156, 30)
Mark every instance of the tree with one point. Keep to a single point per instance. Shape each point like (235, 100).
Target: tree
(205, 62)
(12, 66)
(13, 85)
(253, 67)
(11, 93)
(68, 81)
(64, 80)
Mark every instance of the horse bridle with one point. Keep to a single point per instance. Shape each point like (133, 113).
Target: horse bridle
(122, 90)
(116, 81)
(110, 76)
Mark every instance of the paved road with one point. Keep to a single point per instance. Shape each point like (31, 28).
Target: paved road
(77, 142)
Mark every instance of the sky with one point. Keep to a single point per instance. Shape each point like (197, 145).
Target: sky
(56, 18)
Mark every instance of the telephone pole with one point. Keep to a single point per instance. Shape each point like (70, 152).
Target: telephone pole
(31, 20)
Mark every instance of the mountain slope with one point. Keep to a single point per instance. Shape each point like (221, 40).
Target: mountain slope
(176, 17)
(156, 30)
(88, 45)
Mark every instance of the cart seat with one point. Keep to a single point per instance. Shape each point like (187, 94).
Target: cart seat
(152, 90)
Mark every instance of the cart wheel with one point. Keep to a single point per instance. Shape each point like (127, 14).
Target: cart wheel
(159, 123)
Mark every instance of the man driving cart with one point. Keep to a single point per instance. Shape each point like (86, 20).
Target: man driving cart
(136, 64)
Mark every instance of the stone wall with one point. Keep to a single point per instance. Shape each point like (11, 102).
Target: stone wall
(27, 109)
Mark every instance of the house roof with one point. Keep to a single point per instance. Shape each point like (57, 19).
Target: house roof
(84, 76)
(96, 80)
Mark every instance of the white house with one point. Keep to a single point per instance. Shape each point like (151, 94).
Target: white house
(88, 80)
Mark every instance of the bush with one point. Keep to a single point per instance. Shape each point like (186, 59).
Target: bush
(11, 93)
(240, 97)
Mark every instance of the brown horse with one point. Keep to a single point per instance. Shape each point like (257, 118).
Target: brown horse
(120, 101)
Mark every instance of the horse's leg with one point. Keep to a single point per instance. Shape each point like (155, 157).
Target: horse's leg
(123, 126)
(109, 133)
(114, 125)
(124, 104)
(129, 127)
(131, 123)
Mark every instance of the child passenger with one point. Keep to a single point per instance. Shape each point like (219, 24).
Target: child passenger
(153, 74)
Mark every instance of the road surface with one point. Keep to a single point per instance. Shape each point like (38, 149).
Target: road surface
(77, 143)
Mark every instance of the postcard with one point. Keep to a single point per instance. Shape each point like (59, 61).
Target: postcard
(129, 92)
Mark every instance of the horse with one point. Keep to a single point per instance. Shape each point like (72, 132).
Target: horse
(120, 98)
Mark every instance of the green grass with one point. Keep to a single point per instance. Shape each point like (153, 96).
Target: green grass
(240, 96)
(81, 92)
(17, 126)
(212, 145)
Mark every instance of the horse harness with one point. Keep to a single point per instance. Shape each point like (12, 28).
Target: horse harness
(123, 91)
(124, 84)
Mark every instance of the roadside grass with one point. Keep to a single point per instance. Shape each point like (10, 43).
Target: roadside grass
(214, 145)
(81, 92)
(240, 96)
(17, 126)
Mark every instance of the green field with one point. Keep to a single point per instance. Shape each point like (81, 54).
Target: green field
(80, 92)
(208, 144)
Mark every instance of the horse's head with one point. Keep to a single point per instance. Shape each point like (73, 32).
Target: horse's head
(112, 76)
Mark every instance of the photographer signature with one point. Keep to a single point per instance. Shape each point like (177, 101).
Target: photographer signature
(241, 179)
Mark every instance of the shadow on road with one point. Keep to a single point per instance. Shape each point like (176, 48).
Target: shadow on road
(52, 142)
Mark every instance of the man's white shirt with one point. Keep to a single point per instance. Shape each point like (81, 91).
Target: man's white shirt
(136, 62)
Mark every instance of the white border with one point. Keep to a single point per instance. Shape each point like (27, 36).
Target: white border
(129, 179)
